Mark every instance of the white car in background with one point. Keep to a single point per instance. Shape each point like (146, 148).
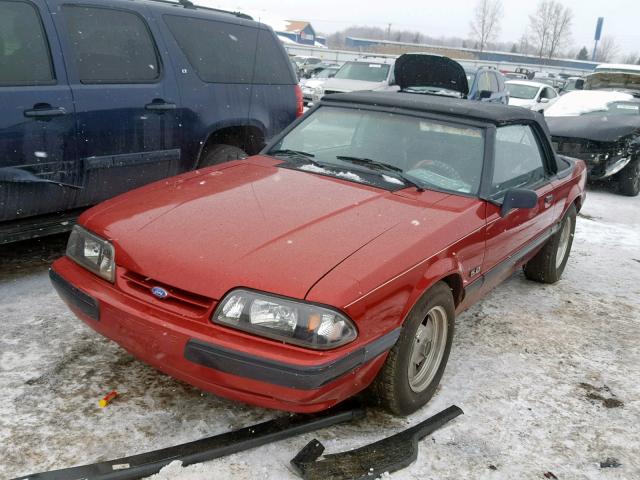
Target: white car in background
(532, 95)
(363, 74)
(309, 85)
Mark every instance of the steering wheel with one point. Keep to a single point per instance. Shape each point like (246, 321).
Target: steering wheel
(440, 168)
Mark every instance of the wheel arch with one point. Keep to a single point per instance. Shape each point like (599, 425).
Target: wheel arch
(250, 137)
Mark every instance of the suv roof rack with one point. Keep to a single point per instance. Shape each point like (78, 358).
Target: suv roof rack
(191, 5)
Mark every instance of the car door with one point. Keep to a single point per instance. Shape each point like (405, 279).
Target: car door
(37, 126)
(520, 161)
(128, 120)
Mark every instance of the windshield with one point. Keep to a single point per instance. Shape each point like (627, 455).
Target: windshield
(325, 72)
(367, 72)
(525, 92)
(581, 102)
(430, 153)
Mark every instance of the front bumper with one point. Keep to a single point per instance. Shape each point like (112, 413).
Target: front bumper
(218, 359)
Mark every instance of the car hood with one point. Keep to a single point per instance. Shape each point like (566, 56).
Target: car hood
(345, 85)
(600, 128)
(521, 102)
(314, 82)
(421, 70)
(247, 224)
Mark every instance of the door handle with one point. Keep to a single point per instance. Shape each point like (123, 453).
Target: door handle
(548, 200)
(160, 106)
(45, 112)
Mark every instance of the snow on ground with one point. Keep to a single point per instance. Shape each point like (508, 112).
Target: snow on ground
(548, 377)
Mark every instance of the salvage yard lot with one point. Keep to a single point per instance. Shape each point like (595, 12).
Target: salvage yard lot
(548, 377)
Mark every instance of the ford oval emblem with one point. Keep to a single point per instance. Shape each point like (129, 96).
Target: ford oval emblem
(159, 292)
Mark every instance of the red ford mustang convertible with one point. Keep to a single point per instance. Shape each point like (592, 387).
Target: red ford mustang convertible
(336, 260)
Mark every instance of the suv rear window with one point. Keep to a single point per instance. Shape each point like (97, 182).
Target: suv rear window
(24, 51)
(111, 46)
(219, 52)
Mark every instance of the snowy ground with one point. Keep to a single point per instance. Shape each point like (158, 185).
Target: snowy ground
(548, 377)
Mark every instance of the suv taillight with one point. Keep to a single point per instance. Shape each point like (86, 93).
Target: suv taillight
(299, 101)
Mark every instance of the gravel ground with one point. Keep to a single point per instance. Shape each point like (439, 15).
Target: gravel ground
(548, 377)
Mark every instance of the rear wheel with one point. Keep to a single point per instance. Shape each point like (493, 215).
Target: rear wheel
(629, 179)
(221, 153)
(416, 363)
(549, 263)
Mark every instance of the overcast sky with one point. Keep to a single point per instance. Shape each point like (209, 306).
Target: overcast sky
(449, 18)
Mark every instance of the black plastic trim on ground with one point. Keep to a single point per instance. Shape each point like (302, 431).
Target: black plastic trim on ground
(87, 304)
(371, 461)
(145, 464)
(284, 374)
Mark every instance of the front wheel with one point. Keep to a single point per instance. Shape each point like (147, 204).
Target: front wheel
(629, 179)
(416, 363)
(549, 263)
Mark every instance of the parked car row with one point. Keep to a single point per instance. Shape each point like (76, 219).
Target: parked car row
(102, 96)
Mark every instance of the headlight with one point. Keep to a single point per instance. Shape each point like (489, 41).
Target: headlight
(92, 252)
(290, 321)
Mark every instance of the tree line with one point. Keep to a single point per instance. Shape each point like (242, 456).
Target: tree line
(548, 34)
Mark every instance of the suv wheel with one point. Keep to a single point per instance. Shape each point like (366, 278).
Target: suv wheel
(221, 153)
(548, 264)
(629, 179)
(415, 364)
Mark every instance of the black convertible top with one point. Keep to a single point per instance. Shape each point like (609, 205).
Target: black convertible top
(482, 111)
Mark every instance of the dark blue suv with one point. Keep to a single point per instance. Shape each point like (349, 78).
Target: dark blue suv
(101, 96)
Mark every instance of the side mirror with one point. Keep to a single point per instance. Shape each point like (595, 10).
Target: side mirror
(484, 94)
(518, 198)
(544, 100)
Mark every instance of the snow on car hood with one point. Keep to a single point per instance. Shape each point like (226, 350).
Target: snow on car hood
(249, 224)
(580, 102)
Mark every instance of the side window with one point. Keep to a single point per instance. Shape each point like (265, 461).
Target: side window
(518, 159)
(551, 93)
(219, 52)
(24, 51)
(494, 83)
(272, 65)
(111, 46)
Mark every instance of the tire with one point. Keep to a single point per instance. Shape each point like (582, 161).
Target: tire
(548, 264)
(221, 153)
(402, 387)
(629, 179)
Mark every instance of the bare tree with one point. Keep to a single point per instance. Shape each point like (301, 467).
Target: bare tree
(550, 27)
(631, 58)
(607, 49)
(485, 25)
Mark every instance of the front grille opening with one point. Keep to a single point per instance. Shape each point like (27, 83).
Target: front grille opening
(178, 300)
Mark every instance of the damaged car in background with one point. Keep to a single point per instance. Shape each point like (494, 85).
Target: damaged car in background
(601, 125)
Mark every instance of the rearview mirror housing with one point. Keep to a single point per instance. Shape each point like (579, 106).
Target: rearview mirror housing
(518, 198)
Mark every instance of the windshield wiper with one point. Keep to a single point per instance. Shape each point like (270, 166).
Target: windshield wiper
(299, 154)
(396, 172)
